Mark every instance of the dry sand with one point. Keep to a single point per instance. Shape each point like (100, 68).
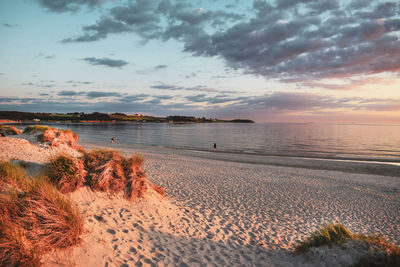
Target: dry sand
(222, 213)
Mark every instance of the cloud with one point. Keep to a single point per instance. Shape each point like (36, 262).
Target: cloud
(182, 88)
(218, 99)
(113, 63)
(274, 104)
(97, 94)
(42, 83)
(69, 93)
(285, 39)
(166, 87)
(160, 67)
(67, 5)
(41, 55)
(78, 82)
(7, 25)
(100, 30)
(90, 94)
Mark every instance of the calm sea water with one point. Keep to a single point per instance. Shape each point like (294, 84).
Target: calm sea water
(315, 140)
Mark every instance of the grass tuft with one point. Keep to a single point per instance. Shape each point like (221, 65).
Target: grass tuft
(66, 173)
(50, 217)
(53, 136)
(109, 171)
(380, 251)
(15, 248)
(14, 175)
(34, 218)
(10, 130)
(102, 170)
(33, 129)
(330, 234)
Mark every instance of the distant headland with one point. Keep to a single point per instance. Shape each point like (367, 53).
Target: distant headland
(17, 116)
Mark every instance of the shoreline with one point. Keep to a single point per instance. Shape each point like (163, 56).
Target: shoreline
(350, 165)
(377, 155)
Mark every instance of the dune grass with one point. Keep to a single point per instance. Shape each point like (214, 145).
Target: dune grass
(53, 136)
(34, 218)
(330, 234)
(10, 130)
(66, 173)
(337, 234)
(102, 170)
(33, 129)
(109, 171)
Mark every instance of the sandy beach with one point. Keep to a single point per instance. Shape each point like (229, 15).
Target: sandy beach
(230, 210)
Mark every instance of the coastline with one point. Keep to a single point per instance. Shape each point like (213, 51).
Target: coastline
(376, 166)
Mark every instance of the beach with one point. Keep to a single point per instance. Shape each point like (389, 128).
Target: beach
(226, 209)
(226, 213)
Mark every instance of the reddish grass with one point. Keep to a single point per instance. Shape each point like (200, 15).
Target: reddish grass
(66, 172)
(15, 248)
(53, 136)
(51, 218)
(34, 218)
(158, 189)
(56, 137)
(109, 171)
(137, 183)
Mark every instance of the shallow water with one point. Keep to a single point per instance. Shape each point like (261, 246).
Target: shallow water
(314, 140)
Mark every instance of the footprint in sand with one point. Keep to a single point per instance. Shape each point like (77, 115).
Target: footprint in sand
(111, 231)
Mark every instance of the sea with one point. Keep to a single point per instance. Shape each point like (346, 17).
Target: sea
(343, 141)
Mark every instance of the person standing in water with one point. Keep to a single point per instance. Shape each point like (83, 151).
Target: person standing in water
(112, 140)
(215, 146)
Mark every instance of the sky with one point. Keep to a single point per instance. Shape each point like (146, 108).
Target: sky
(331, 61)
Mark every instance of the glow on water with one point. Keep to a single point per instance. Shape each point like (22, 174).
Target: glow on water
(315, 140)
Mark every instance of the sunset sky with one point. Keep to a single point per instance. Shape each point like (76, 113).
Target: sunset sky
(271, 61)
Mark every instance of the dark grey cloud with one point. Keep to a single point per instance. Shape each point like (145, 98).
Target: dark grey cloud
(144, 17)
(113, 63)
(68, 5)
(90, 94)
(100, 30)
(22, 100)
(69, 93)
(97, 94)
(166, 87)
(7, 25)
(218, 99)
(285, 39)
(160, 67)
(133, 98)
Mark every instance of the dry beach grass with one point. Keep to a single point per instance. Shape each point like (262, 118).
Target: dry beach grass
(34, 218)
